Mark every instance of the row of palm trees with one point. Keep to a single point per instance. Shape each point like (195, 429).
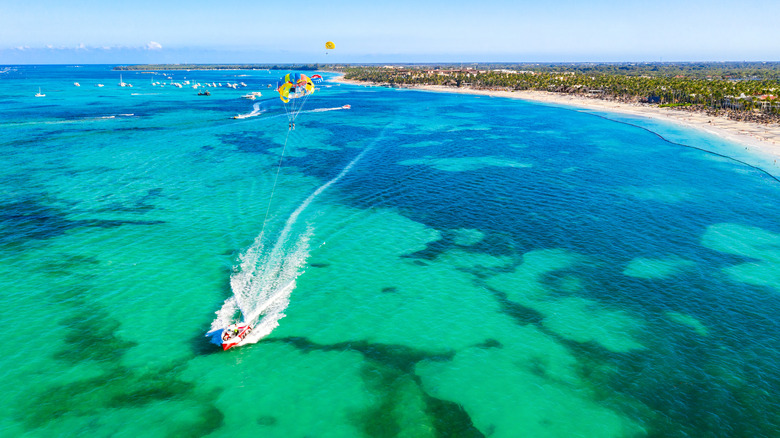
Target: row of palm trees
(740, 95)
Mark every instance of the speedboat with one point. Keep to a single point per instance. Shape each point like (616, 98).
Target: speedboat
(253, 95)
(76, 84)
(234, 334)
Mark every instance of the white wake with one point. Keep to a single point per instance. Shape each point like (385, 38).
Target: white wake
(257, 110)
(263, 280)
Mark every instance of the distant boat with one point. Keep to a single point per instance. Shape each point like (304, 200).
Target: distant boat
(121, 82)
(77, 84)
(253, 95)
(39, 94)
(204, 93)
(99, 85)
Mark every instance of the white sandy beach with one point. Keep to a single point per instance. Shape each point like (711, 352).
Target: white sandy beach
(757, 138)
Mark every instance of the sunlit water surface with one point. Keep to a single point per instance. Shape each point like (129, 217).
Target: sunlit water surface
(438, 265)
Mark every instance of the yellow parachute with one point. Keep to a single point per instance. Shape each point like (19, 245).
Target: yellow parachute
(294, 89)
(330, 45)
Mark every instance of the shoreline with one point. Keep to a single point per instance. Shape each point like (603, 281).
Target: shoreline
(758, 139)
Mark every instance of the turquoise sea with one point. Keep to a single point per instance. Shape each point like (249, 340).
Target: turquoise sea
(432, 265)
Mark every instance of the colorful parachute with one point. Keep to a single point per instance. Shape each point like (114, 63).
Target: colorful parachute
(317, 79)
(329, 45)
(294, 89)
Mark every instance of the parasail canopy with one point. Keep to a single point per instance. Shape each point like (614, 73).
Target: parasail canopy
(294, 89)
(294, 86)
(330, 45)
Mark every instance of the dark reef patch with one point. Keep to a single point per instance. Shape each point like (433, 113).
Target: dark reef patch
(143, 204)
(390, 364)
(522, 315)
(250, 143)
(450, 419)
(91, 335)
(32, 217)
(398, 357)
(490, 343)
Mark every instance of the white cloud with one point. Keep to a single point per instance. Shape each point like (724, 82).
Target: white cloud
(151, 46)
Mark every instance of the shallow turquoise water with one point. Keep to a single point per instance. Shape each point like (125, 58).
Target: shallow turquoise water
(437, 265)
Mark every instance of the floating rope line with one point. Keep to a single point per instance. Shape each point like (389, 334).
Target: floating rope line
(276, 178)
(680, 144)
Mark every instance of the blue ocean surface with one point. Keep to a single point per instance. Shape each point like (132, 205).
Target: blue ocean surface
(429, 265)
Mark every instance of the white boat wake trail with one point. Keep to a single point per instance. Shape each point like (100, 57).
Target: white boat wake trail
(263, 280)
(257, 111)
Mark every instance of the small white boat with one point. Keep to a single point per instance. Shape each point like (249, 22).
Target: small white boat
(76, 84)
(249, 96)
(99, 85)
(39, 94)
(121, 82)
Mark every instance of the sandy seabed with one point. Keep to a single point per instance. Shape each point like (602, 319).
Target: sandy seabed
(757, 138)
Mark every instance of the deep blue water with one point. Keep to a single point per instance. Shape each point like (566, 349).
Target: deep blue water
(431, 265)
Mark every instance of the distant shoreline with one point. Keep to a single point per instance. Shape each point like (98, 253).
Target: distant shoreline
(762, 139)
(215, 67)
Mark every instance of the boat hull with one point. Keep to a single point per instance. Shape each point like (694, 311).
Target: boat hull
(234, 335)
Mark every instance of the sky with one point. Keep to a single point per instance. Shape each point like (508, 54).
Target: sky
(259, 31)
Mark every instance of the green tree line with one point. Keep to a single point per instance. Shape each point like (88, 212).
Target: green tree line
(752, 87)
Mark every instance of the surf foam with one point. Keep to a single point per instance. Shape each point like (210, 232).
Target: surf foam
(263, 281)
